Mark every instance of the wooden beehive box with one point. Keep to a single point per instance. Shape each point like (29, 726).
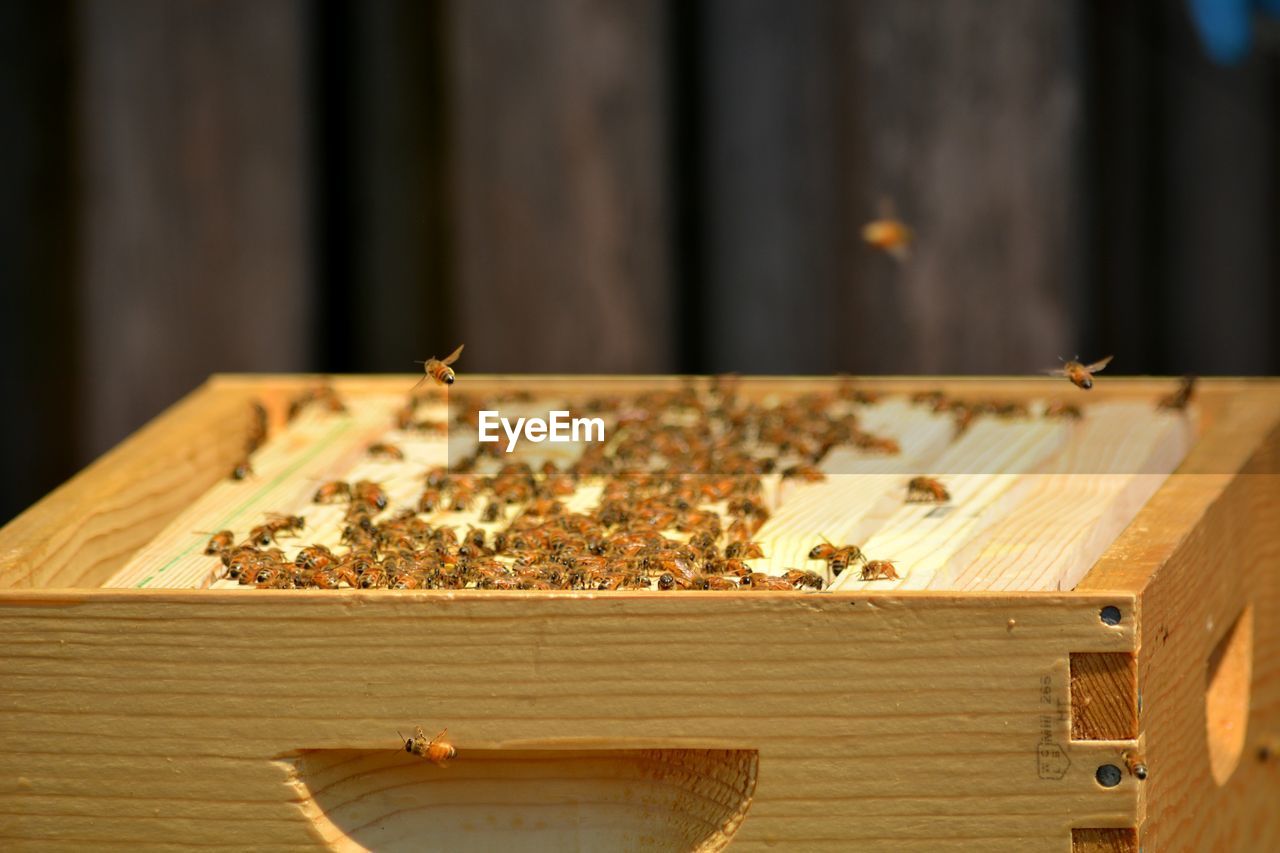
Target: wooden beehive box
(1078, 608)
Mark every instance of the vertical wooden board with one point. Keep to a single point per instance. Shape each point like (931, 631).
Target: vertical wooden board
(983, 473)
(38, 335)
(1114, 461)
(967, 114)
(194, 253)
(770, 170)
(558, 141)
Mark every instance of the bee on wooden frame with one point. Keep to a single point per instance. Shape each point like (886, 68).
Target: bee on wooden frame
(876, 570)
(1135, 764)
(219, 542)
(381, 450)
(436, 750)
(925, 490)
(1178, 400)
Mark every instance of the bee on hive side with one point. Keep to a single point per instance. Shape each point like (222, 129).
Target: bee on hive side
(1135, 764)
(436, 750)
(888, 233)
(438, 369)
(879, 570)
(926, 490)
(762, 581)
(242, 470)
(219, 542)
(1081, 375)
(382, 450)
(1178, 400)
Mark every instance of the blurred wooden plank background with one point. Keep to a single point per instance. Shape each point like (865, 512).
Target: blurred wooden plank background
(613, 185)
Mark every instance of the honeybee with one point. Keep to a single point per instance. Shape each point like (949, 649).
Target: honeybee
(368, 494)
(762, 581)
(744, 550)
(1059, 409)
(799, 578)
(1081, 375)
(385, 451)
(808, 473)
(285, 523)
(1179, 399)
(439, 369)
(332, 492)
(888, 233)
(436, 750)
(219, 542)
(837, 558)
(879, 570)
(1136, 764)
(923, 490)
(242, 470)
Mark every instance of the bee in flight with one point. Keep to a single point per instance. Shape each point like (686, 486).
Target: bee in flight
(1081, 375)
(888, 233)
(439, 369)
(436, 750)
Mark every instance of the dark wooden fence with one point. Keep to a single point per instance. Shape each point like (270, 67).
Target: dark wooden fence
(613, 186)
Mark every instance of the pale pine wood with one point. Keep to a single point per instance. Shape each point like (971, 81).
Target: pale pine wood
(1113, 462)
(655, 799)
(987, 461)
(90, 526)
(141, 716)
(1221, 555)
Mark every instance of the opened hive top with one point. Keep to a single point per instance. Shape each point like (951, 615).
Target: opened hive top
(690, 481)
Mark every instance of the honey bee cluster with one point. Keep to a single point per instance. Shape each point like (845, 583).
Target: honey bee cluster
(965, 412)
(681, 497)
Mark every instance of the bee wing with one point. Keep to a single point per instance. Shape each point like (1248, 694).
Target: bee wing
(453, 356)
(1057, 371)
(419, 382)
(1098, 365)
(440, 736)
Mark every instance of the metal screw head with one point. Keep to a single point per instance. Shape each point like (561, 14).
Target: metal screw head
(1110, 615)
(1108, 775)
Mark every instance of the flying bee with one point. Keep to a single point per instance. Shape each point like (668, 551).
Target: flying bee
(1136, 764)
(436, 750)
(1059, 409)
(879, 570)
(925, 490)
(385, 451)
(439, 370)
(1081, 375)
(1178, 400)
(888, 233)
(332, 492)
(219, 542)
